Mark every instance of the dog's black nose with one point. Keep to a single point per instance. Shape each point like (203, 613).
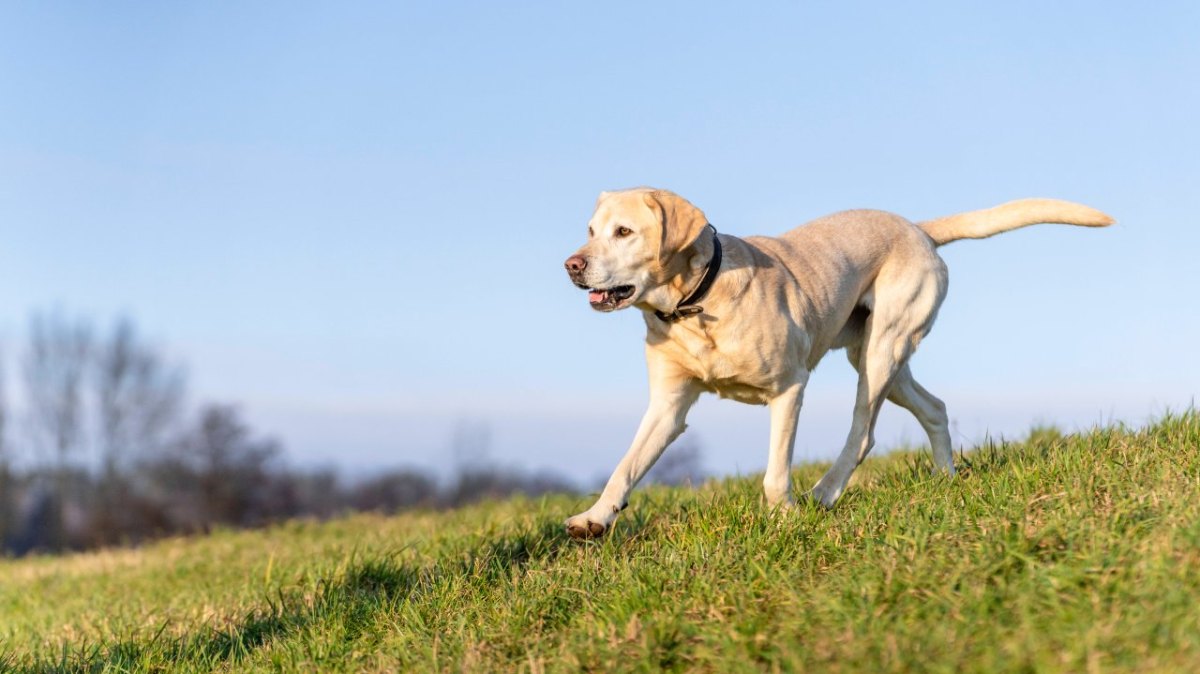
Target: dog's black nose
(576, 264)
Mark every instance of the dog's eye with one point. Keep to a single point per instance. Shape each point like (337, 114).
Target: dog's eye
(623, 232)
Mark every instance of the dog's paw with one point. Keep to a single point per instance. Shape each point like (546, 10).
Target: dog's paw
(781, 507)
(824, 496)
(947, 470)
(581, 528)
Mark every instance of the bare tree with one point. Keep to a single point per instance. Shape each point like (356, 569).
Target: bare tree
(223, 472)
(394, 491)
(137, 396)
(148, 473)
(54, 366)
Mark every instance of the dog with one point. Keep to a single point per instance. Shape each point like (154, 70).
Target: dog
(750, 318)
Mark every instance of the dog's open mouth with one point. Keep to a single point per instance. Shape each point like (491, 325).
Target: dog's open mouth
(610, 299)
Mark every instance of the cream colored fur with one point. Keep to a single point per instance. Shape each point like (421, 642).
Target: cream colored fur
(1010, 216)
(866, 281)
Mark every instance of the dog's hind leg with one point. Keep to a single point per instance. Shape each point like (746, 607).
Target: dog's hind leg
(930, 413)
(903, 312)
(926, 407)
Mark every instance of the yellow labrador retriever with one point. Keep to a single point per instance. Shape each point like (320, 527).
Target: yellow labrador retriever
(749, 319)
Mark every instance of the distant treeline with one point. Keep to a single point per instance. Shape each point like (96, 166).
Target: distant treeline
(103, 449)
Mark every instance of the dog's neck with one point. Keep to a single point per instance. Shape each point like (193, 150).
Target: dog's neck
(683, 277)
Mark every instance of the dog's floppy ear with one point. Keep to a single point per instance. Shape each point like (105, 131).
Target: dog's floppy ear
(681, 222)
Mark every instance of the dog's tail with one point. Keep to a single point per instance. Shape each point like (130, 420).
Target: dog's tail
(1013, 215)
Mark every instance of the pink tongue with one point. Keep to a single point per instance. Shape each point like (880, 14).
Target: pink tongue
(596, 296)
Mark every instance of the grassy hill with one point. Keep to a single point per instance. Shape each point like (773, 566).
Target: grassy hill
(1077, 553)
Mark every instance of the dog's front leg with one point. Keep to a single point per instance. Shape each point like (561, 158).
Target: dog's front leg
(785, 408)
(662, 423)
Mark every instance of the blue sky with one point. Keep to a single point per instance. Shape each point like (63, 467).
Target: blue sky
(351, 217)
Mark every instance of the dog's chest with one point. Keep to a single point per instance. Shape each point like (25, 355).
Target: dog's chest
(732, 367)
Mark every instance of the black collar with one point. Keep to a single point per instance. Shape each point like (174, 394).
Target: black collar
(688, 306)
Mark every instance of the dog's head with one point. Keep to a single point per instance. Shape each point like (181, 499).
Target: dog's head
(635, 238)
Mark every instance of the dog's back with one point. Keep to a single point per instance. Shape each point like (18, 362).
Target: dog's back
(832, 262)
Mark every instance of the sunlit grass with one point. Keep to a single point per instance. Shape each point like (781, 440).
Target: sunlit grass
(1069, 553)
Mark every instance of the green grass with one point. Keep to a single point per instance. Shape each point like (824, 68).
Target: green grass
(1064, 553)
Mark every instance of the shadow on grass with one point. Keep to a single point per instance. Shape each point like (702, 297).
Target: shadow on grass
(354, 599)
